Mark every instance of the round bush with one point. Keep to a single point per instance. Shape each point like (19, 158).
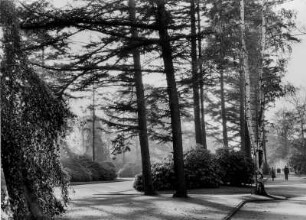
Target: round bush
(138, 183)
(76, 171)
(201, 169)
(83, 169)
(236, 169)
(162, 176)
(107, 171)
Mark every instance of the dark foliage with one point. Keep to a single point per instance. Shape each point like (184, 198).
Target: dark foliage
(162, 175)
(201, 170)
(32, 120)
(298, 162)
(236, 168)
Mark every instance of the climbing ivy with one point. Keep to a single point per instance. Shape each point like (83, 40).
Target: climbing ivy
(33, 120)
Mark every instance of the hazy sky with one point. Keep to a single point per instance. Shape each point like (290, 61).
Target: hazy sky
(297, 64)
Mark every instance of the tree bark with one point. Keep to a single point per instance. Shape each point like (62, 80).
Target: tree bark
(246, 71)
(223, 111)
(162, 23)
(248, 147)
(195, 75)
(261, 117)
(201, 78)
(242, 115)
(93, 123)
(141, 109)
(250, 123)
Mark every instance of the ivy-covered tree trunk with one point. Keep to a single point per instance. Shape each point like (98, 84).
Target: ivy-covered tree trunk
(13, 167)
(162, 23)
(32, 119)
(141, 109)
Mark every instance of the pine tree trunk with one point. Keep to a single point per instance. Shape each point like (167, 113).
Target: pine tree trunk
(261, 117)
(223, 111)
(203, 127)
(162, 22)
(201, 78)
(141, 109)
(93, 124)
(242, 116)
(195, 75)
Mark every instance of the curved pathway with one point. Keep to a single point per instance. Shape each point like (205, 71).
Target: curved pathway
(294, 207)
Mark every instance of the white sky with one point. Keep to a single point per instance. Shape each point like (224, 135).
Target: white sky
(297, 64)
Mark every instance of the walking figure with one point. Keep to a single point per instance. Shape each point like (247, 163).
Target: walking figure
(286, 171)
(272, 174)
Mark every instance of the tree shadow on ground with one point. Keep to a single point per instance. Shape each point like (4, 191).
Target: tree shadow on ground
(223, 190)
(145, 207)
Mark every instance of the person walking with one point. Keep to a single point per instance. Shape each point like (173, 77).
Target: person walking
(272, 174)
(286, 172)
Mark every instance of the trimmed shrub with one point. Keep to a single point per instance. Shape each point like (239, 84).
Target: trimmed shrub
(162, 176)
(138, 183)
(76, 171)
(236, 169)
(109, 170)
(201, 170)
(129, 170)
(82, 169)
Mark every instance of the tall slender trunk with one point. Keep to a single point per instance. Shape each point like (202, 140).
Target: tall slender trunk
(261, 118)
(203, 126)
(246, 71)
(195, 75)
(162, 22)
(248, 147)
(250, 123)
(201, 78)
(242, 115)
(141, 109)
(223, 111)
(222, 54)
(93, 124)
